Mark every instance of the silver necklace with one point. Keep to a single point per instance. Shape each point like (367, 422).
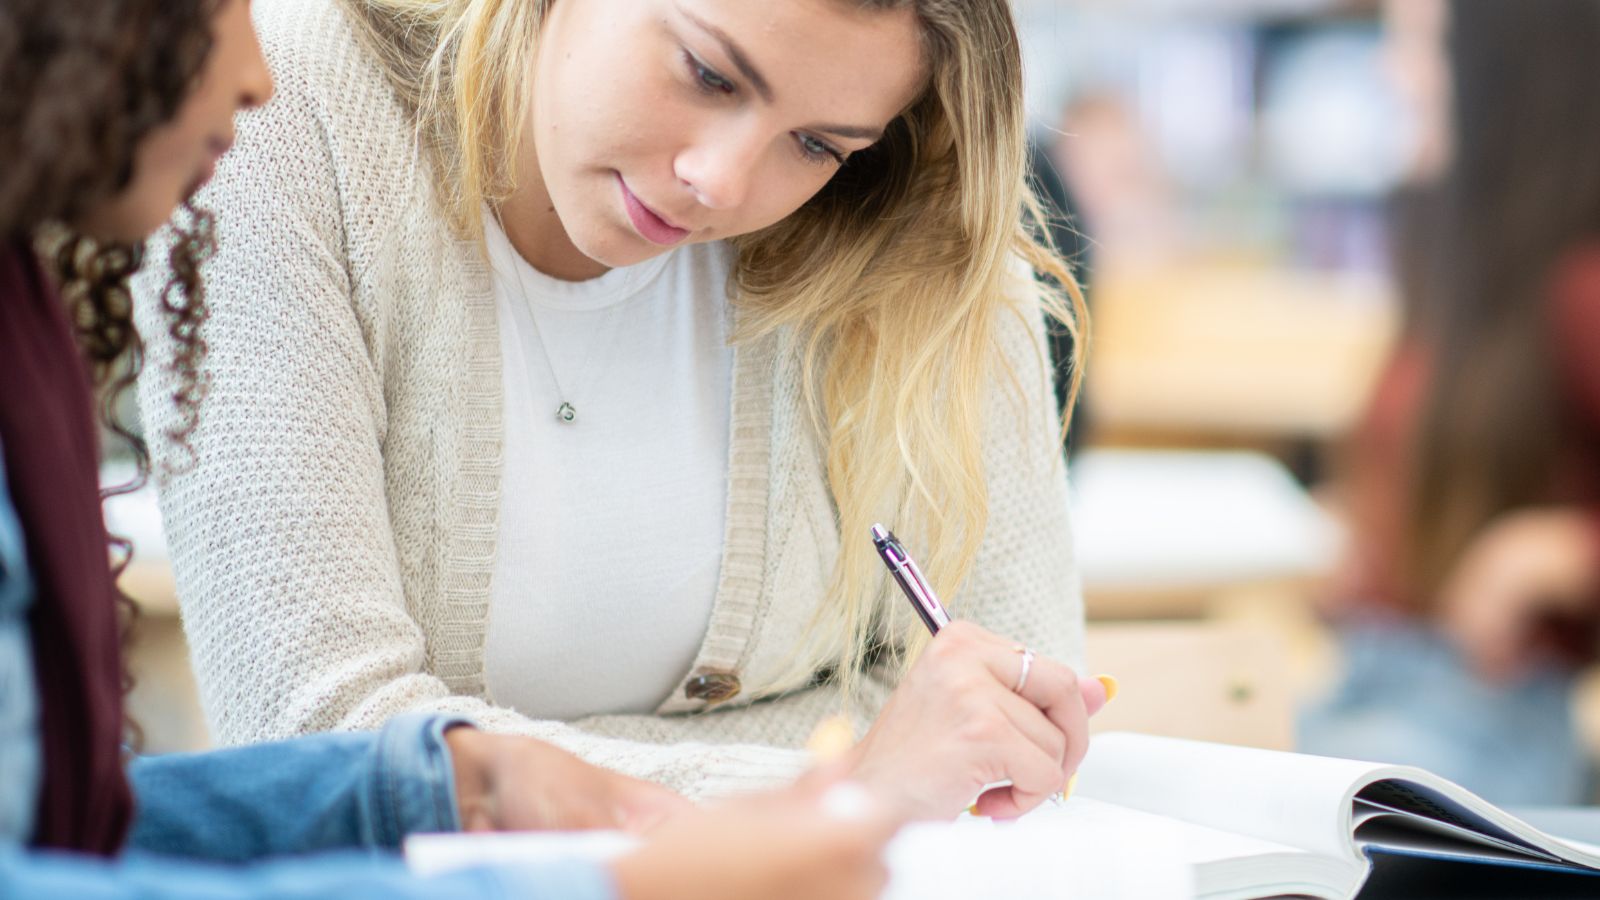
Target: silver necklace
(566, 412)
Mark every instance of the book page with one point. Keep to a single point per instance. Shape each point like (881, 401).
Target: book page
(1147, 834)
(1081, 850)
(434, 854)
(1288, 798)
(1417, 797)
(1374, 821)
(1305, 801)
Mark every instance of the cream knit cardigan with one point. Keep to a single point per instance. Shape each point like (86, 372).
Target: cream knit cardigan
(333, 544)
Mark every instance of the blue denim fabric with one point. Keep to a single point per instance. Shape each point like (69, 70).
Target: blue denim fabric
(359, 794)
(324, 792)
(346, 876)
(19, 705)
(1407, 697)
(200, 816)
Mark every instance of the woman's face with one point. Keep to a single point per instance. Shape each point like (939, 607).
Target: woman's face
(1419, 64)
(174, 159)
(661, 122)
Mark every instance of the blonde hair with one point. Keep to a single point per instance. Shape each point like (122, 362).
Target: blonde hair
(894, 277)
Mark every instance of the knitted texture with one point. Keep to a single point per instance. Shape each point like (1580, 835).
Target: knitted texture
(334, 541)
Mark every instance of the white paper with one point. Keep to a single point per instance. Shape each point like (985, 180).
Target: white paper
(1288, 798)
(1081, 850)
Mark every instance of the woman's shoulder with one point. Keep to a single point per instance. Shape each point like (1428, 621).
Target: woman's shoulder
(335, 134)
(1574, 302)
(1576, 285)
(307, 37)
(1021, 323)
(1574, 312)
(320, 60)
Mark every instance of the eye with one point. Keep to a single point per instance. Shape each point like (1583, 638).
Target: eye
(705, 77)
(818, 152)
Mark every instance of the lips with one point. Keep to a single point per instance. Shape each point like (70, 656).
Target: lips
(217, 148)
(647, 221)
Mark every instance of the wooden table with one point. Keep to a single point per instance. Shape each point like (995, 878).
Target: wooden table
(1234, 351)
(165, 700)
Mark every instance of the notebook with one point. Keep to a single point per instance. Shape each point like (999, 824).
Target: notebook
(1161, 817)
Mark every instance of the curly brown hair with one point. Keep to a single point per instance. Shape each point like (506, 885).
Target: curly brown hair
(85, 81)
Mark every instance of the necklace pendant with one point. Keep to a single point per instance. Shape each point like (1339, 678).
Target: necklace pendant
(566, 412)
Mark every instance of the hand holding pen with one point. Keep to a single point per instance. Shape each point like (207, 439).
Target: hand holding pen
(975, 709)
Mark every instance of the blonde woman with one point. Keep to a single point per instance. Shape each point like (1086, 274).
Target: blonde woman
(563, 354)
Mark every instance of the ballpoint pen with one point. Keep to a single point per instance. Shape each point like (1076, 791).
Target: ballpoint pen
(906, 573)
(910, 578)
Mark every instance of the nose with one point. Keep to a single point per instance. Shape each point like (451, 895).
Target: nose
(255, 84)
(720, 165)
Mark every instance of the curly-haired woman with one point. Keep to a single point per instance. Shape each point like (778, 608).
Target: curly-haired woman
(567, 352)
(112, 113)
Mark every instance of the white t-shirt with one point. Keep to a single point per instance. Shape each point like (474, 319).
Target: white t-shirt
(611, 526)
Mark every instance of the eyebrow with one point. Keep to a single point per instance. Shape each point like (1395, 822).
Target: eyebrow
(870, 135)
(759, 82)
(740, 61)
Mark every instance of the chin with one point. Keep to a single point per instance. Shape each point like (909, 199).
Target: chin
(618, 248)
(122, 227)
(131, 217)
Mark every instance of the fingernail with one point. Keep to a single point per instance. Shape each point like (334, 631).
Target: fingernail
(1111, 686)
(832, 738)
(1072, 784)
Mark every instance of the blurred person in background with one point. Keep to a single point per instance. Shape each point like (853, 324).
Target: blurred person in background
(1061, 230)
(111, 116)
(1108, 162)
(1468, 599)
(1098, 179)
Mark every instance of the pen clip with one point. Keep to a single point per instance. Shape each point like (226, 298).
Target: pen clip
(909, 576)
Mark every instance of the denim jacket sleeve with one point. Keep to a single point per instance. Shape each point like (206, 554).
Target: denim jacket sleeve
(20, 763)
(61, 876)
(200, 814)
(323, 792)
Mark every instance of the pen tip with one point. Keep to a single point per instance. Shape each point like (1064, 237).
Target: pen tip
(879, 532)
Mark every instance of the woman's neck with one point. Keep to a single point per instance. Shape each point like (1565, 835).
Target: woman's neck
(536, 232)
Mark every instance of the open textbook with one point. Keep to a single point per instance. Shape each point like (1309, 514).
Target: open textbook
(1160, 817)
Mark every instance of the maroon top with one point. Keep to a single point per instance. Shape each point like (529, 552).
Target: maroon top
(47, 428)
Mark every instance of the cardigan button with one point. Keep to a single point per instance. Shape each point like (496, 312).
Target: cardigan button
(712, 687)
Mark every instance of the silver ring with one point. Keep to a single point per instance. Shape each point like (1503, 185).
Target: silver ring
(1027, 666)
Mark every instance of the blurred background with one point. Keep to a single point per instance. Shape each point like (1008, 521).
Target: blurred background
(1304, 518)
